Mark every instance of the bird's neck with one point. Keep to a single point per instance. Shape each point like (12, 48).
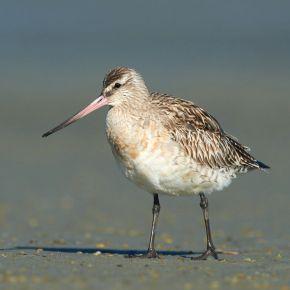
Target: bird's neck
(135, 101)
(129, 113)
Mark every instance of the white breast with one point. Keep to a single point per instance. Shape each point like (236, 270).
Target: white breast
(152, 160)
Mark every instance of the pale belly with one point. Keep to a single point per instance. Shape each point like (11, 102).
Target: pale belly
(156, 163)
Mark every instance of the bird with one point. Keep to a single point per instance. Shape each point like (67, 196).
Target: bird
(167, 146)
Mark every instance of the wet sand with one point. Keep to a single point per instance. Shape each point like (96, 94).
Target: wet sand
(58, 270)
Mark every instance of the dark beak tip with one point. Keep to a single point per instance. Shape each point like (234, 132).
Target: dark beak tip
(45, 135)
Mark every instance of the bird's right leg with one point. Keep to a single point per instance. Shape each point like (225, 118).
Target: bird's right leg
(151, 253)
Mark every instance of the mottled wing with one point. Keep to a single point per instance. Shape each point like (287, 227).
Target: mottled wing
(201, 136)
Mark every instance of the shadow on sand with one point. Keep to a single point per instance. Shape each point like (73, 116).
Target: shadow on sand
(122, 252)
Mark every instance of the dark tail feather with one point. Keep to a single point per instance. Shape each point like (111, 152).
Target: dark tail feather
(262, 165)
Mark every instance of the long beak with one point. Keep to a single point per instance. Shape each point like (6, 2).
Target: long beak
(96, 104)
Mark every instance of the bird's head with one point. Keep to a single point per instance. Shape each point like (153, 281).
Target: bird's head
(121, 86)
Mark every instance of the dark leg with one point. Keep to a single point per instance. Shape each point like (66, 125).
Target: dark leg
(210, 248)
(155, 210)
(151, 252)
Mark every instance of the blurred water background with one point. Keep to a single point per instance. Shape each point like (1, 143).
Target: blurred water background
(230, 57)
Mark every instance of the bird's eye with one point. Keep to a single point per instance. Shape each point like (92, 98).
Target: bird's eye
(117, 85)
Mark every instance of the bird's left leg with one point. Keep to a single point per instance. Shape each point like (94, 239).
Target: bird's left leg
(210, 248)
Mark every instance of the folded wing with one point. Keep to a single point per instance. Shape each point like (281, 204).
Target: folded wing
(200, 135)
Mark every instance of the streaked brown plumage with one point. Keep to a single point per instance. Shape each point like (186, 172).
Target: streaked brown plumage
(201, 136)
(167, 145)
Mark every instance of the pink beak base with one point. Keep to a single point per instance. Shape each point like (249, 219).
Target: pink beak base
(96, 104)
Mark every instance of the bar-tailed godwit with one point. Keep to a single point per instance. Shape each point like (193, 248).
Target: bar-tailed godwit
(167, 145)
